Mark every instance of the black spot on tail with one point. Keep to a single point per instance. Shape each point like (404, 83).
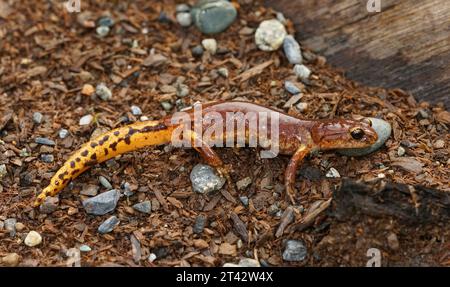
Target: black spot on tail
(94, 144)
(116, 133)
(72, 164)
(94, 156)
(106, 151)
(113, 146)
(85, 153)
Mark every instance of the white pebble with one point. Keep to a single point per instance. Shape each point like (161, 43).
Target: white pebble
(152, 257)
(103, 92)
(184, 19)
(210, 45)
(333, 173)
(33, 238)
(302, 72)
(270, 35)
(86, 120)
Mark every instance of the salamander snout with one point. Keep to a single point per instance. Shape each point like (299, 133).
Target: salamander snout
(337, 134)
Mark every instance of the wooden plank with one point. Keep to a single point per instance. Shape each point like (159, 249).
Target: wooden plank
(406, 45)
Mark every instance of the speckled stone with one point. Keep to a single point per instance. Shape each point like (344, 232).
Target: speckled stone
(295, 251)
(270, 35)
(205, 180)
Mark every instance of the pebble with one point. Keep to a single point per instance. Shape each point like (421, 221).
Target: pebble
(102, 31)
(182, 90)
(166, 106)
(10, 226)
(197, 51)
(205, 180)
(48, 158)
(103, 92)
(393, 241)
(182, 8)
(212, 17)
(104, 182)
(439, 144)
(199, 225)
(144, 207)
(49, 205)
(184, 19)
(270, 35)
(291, 88)
(136, 111)
(281, 18)
(72, 210)
(152, 257)
(86, 120)
(302, 72)
(292, 50)
(37, 117)
(295, 251)
(10, 260)
(382, 128)
(248, 262)
(85, 248)
(108, 225)
(105, 21)
(127, 189)
(63, 133)
(332, 173)
(210, 45)
(44, 141)
(243, 183)
(223, 72)
(102, 203)
(401, 151)
(87, 90)
(33, 239)
(89, 190)
(301, 107)
(244, 200)
(3, 170)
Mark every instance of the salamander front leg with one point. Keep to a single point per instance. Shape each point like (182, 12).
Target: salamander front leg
(211, 158)
(289, 178)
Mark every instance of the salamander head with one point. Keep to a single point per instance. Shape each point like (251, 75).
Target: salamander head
(340, 133)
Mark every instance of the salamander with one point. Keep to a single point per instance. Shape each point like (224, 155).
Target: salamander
(295, 136)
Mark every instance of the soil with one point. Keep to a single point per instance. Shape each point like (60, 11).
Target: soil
(47, 55)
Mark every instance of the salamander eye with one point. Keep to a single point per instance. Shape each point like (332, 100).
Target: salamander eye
(357, 133)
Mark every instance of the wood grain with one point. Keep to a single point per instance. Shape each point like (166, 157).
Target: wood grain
(406, 45)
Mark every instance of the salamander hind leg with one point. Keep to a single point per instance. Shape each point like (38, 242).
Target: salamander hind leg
(291, 171)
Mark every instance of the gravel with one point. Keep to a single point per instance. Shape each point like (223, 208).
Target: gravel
(302, 72)
(108, 225)
(47, 158)
(212, 17)
(205, 180)
(104, 182)
(136, 111)
(63, 133)
(270, 35)
(85, 120)
(90, 190)
(295, 251)
(210, 45)
(44, 141)
(102, 31)
(10, 226)
(37, 118)
(199, 225)
(49, 205)
(102, 203)
(292, 50)
(291, 88)
(103, 92)
(144, 207)
(184, 19)
(33, 239)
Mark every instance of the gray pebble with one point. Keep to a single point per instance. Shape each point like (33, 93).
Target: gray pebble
(383, 130)
(197, 51)
(44, 141)
(63, 133)
(49, 205)
(136, 111)
(182, 90)
(213, 17)
(292, 50)
(302, 72)
(48, 158)
(37, 117)
(104, 182)
(401, 151)
(182, 8)
(103, 92)
(166, 106)
(10, 226)
(244, 200)
(126, 189)
(105, 21)
(102, 203)
(270, 35)
(291, 88)
(243, 183)
(332, 173)
(281, 18)
(108, 225)
(85, 248)
(223, 72)
(200, 223)
(184, 19)
(295, 251)
(273, 209)
(89, 190)
(102, 31)
(144, 207)
(3, 170)
(205, 180)
(85, 120)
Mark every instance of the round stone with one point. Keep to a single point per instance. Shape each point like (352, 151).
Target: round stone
(184, 19)
(302, 72)
(102, 31)
(270, 35)
(292, 51)
(383, 130)
(33, 239)
(210, 45)
(212, 17)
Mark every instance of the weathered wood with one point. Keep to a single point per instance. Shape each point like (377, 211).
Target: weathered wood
(409, 204)
(406, 45)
